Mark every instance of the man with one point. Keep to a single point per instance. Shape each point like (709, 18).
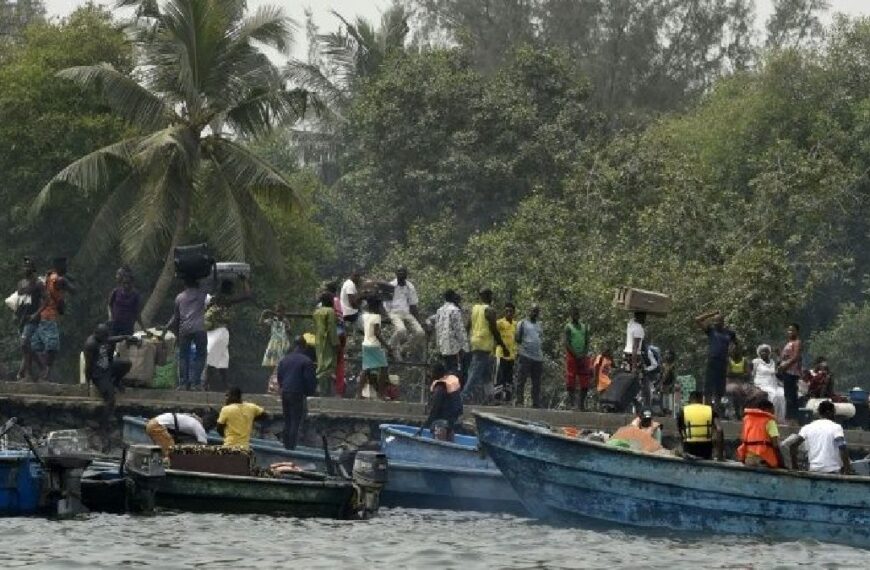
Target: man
(789, 369)
(484, 337)
(719, 339)
(297, 380)
(326, 344)
(104, 372)
(350, 298)
(451, 338)
(530, 364)
(236, 420)
(507, 328)
(125, 304)
(445, 402)
(30, 292)
(826, 443)
(634, 335)
(759, 439)
(577, 365)
(45, 342)
(403, 314)
(188, 324)
(642, 434)
(700, 429)
(644, 422)
(167, 428)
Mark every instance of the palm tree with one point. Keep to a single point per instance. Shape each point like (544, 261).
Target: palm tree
(203, 86)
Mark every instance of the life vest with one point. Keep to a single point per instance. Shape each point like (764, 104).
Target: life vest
(650, 429)
(603, 365)
(698, 419)
(453, 404)
(755, 438)
(481, 336)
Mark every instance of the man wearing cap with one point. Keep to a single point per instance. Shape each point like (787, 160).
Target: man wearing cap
(644, 422)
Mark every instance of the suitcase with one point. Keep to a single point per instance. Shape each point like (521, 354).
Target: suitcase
(640, 300)
(621, 392)
(193, 261)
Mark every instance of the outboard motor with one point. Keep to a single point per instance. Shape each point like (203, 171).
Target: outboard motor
(369, 478)
(65, 459)
(144, 470)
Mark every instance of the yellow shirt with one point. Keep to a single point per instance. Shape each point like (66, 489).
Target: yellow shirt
(481, 337)
(508, 331)
(238, 422)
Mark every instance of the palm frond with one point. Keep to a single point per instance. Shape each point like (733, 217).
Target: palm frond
(105, 228)
(310, 78)
(222, 217)
(268, 26)
(126, 97)
(147, 226)
(247, 172)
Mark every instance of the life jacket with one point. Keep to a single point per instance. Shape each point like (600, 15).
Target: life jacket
(453, 405)
(698, 419)
(755, 438)
(481, 336)
(650, 429)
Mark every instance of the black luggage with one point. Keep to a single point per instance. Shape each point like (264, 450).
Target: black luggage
(621, 393)
(193, 261)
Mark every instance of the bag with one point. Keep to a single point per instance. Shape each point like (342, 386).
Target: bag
(623, 388)
(142, 360)
(193, 261)
(13, 301)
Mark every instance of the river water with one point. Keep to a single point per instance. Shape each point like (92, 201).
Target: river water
(397, 538)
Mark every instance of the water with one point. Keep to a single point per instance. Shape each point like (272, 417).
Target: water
(397, 538)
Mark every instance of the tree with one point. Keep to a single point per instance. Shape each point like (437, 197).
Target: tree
(16, 16)
(204, 85)
(795, 23)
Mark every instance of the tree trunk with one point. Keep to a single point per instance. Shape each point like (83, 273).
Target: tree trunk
(164, 281)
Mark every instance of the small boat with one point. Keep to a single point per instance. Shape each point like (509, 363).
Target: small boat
(560, 477)
(427, 472)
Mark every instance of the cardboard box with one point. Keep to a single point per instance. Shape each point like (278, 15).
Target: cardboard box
(641, 300)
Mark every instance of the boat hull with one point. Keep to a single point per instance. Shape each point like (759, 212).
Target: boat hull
(562, 478)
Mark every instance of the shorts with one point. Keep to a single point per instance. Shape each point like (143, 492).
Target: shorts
(701, 449)
(46, 337)
(578, 372)
(25, 339)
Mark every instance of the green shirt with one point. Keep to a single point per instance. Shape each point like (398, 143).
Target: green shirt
(578, 338)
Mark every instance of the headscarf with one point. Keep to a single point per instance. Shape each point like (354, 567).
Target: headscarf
(762, 347)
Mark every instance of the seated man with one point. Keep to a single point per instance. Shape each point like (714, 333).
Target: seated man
(700, 429)
(170, 427)
(644, 422)
(826, 443)
(236, 420)
(445, 403)
(760, 437)
(105, 373)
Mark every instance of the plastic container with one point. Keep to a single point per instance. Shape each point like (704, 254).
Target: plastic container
(858, 395)
(20, 483)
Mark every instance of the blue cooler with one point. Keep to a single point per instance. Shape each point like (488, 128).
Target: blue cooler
(20, 483)
(858, 396)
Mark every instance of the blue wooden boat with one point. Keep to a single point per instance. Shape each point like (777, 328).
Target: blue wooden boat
(558, 477)
(429, 473)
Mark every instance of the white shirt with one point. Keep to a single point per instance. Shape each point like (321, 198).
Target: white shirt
(186, 424)
(404, 296)
(348, 288)
(632, 332)
(764, 374)
(369, 321)
(823, 440)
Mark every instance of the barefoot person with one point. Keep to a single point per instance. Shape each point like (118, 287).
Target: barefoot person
(30, 291)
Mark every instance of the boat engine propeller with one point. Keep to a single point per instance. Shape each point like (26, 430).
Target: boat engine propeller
(369, 476)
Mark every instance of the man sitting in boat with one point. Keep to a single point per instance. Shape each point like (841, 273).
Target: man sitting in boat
(700, 429)
(445, 402)
(168, 428)
(644, 422)
(826, 443)
(759, 445)
(642, 434)
(236, 420)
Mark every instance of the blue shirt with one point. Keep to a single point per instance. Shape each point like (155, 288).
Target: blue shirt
(719, 340)
(296, 374)
(530, 339)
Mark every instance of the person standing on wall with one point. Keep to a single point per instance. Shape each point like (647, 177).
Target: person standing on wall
(125, 304)
(30, 291)
(484, 337)
(634, 335)
(719, 339)
(789, 369)
(530, 363)
(504, 378)
(45, 342)
(577, 365)
(404, 315)
(188, 324)
(451, 338)
(326, 344)
(298, 380)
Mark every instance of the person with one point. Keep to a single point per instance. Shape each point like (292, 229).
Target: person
(601, 369)
(298, 380)
(188, 324)
(45, 340)
(645, 422)
(700, 429)
(404, 314)
(577, 364)
(736, 378)
(825, 442)
(374, 357)
(669, 380)
(30, 291)
(445, 402)
(763, 373)
(759, 439)
(484, 337)
(236, 420)
(104, 372)
(279, 339)
(451, 338)
(818, 378)
(340, 386)
(719, 338)
(350, 298)
(124, 304)
(504, 377)
(326, 344)
(530, 362)
(634, 335)
(218, 316)
(789, 370)
(167, 428)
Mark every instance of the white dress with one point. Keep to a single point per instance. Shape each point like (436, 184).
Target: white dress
(764, 377)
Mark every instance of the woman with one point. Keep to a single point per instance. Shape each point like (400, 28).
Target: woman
(218, 316)
(736, 377)
(764, 377)
(790, 369)
(374, 357)
(279, 339)
(125, 304)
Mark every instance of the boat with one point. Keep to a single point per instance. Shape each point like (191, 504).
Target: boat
(429, 473)
(558, 477)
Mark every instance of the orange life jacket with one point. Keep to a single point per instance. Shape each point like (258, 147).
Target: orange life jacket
(755, 438)
(451, 384)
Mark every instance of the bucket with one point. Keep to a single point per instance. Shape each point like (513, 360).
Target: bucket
(858, 395)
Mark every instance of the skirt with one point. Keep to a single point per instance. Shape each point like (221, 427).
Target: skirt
(373, 357)
(218, 355)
